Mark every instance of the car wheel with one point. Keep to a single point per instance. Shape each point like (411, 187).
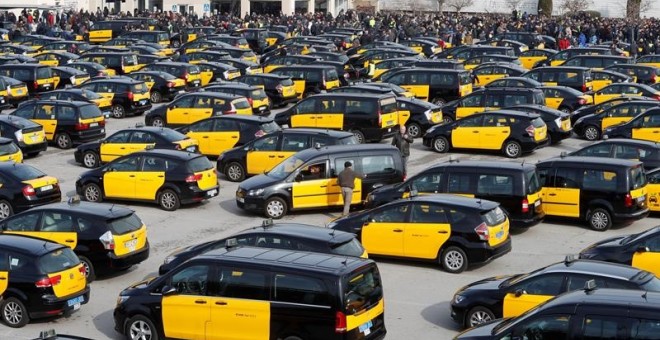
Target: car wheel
(90, 159)
(446, 119)
(275, 208)
(439, 101)
(441, 144)
(168, 200)
(565, 109)
(591, 133)
(235, 172)
(90, 273)
(118, 111)
(157, 122)
(600, 219)
(14, 313)
(453, 260)
(156, 97)
(292, 338)
(5, 209)
(414, 130)
(92, 193)
(63, 141)
(140, 327)
(512, 149)
(478, 315)
(359, 135)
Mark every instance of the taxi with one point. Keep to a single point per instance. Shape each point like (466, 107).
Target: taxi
(41, 279)
(625, 89)
(9, 151)
(28, 135)
(188, 72)
(246, 67)
(6, 49)
(127, 141)
(92, 68)
(602, 78)
(168, 178)
(192, 107)
(642, 74)
(422, 115)
(649, 60)
(591, 127)
(219, 70)
(24, 187)
(280, 89)
(39, 78)
(511, 132)
(55, 58)
(487, 72)
(16, 90)
(564, 98)
(597, 108)
(66, 46)
(162, 85)
(256, 96)
(206, 55)
(82, 95)
(531, 58)
(511, 295)
(450, 230)
(474, 62)
(558, 122)
(69, 76)
(644, 126)
(633, 149)
(128, 96)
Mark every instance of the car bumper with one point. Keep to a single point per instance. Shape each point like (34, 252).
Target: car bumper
(88, 136)
(253, 204)
(630, 217)
(52, 305)
(136, 108)
(261, 110)
(33, 148)
(526, 222)
(531, 145)
(24, 204)
(129, 259)
(173, 92)
(194, 194)
(485, 253)
(560, 135)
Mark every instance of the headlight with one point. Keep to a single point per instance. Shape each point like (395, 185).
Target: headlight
(255, 192)
(458, 299)
(169, 259)
(121, 299)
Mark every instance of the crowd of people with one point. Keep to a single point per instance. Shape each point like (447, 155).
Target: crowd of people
(581, 29)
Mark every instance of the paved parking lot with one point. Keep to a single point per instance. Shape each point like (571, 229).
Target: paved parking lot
(417, 295)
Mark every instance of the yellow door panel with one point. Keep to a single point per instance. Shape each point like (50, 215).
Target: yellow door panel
(259, 161)
(311, 193)
(111, 151)
(214, 143)
(4, 281)
(647, 260)
(198, 114)
(514, 306)
(462, 112)
(493, 137)
(149, 182)
(238, 319)
(299, 85)
(304, 120)
(561, 202)
(178, 116)
(69, 239)
(653, 197)
(424, 240)
(599, 98)
(334, 196)
(528, 62)
(556, 62)
(330, 120)
(485, 79)
(206, 77)
(464, 90)
(553, 102)
(119, 184)
(600, 83)
(465, 137)
(652, 134)
(420, 91)
(50, 125)
(609, 121)
(186, 316)
(383, 238)
(403, 117)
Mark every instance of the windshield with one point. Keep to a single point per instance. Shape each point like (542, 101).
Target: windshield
(58, 260)
(241, 103)
(286, 82)
(362, 291)
(90, 111)
(8, 149)
(388, 105)
(258, 94)
(351, 247)
(125, 225)
(25, 172)
(200, 164)
(270, 127)
(172, 135)
(637, 177)
(139, 88)
(532, 180)
(167, 76)
(285, 168)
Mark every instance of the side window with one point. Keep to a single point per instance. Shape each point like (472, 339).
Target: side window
(26, 222)
(300, 289)
(25, 111)
(126, 164)
(119, 137)
(313, 171)
(141, 137)
(295, 142)
(306, 106)
(265, 144)
(331, 106)
(396, 79)
(56, 222)
(154, 164)
(367, 107)
(84, 224)
(191, 280)
(204, 126)
(476, 100)
(183, 102)
(428, 213)
(596, 327)
(534, 76)
(549, 285)
(323, 141)
(494, 100)
(653, 243)
(427, 183)
(474, 121)
(553, 327)
(629, 152)
(4, 261)
(600, 150)
(202, 102)
(567, 178)
(568, 77)
(512, 100)
(66, 113)
(495, 185)
(459, 183)
(651, 121)
(598, 180)
(377, 164)
(577, 282)
(550, 77)
(243, 284)
(224, 125)
(654, 178)
(45, 112)
(391, 214)
(645, 329)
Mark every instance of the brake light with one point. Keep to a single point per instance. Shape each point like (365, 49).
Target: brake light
(279, 88)
(343, 44)
(250, 100)
(525, 205)
(259, 133)
(35, 84)
(81, 126)
(107, 240)
(530, 130)
(101, 74)
(185, 75)
(170, 84)
(582, 101)
(28, 191)
(482, 231)
(102, 123)
(653, 77)
(48, 281)
(584, 87)
(628, 201)
(380, 117)
(194, 178)
(130, 95)
(340, 322)
(81, 269)
(657, 97)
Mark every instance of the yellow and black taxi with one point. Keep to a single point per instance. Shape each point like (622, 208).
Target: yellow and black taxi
(276, 61)
(487, 72)
(39, 78)
(592, 126)
(238, 42)
(310, 79)
(147, 50)
(386, 65)
(256, 96)
(558, 122)
(512, 295)
(642, 74)
(474, 62)
(633, 149)
(65, 122)
(342, 41)
(9, 151)
(491, 98)
(576, 77)
(451, 230)
(597, 108)
(645, 126)
(279, 89)
(314, 296)
(127, 141)
(162, 85)
(564, 98)
(421, 115)
(69, 76)
(196, 46)
(82, 95)
(219, 133)
(66, 46)
(34, 40)
(167, 177)
(192, 107)
(128, 96)
(511, 132)
(600, 191)
(438, 86)
(40, 279)
(602, 78)
(293, 236)
(103, 31)
(515, 82)
(17, 59)
(234, 52)
(188, 72)
(426, 47)
(531, 57)
(92, 69)
(103, 236)
(649, 60)
(246, 67)
(121, 63)
(561, 56)
(206, 55)
(160, 37)
(24, 187)
(6, 49)
(597, 62)
(625, 89)
(264, 153)
(16, 90)
(475, 50)
(28, 135)
(219, 70)
(49, 58)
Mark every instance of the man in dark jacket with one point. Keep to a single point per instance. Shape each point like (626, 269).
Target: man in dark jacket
(402, 142)
(346, 181)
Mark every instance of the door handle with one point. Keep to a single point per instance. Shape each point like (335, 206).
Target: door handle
(200, 302)
(442, 232)
(271, 156)
(552, 194)
(205, 137)
(397, 230)
(161, 176)
(280, 156)
(69, 241)
(3, 278)
(220, 303)
(505, 131)
(324, 186)
(475, 131)
(234, 137)
(131, 175)
(122, 148)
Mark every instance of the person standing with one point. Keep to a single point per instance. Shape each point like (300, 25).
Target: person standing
(346, 181)
(402, 141)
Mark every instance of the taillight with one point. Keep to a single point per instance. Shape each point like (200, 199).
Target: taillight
(380, 117)
(194, 178)
(186, 75)
(130, 95)
(582, 101)
(48, 281)
(340, 322)
(279, 88)
(584, 87)
(482, 231)
(250, 100)
(35, 84)
(107, 240)
(343, 44)
(259, 133)
(170, 84)
(530, 130)
(28, 191)
(657, 97)
(81, 126)
(628, 201)
(81, 269)
(525, 205)
(101, 74)
(102, 123)
(653, 77)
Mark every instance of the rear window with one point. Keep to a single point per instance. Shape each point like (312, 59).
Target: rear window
(331, 75)
(200, 164)
(388, 105)
(362, 291)
(538, 122)
(464, 78)
(532, 181)
(350, 140)
(348, 248)
(8, 149)
(129, 60)
(637, 177)
(167, 76)
(241, 103)
(163, 37)
(493, 217)
(539, 98)
(90, 94)
(44, 73)
(193, 69)
(58, 260)
(90, 111)
(139, 88)
(125, 225)
(286, 82)
(258, 94)
(26, 172)
(269, 127)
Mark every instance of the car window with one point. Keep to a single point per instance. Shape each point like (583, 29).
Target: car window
(126, 164)
(297, 142)
(495, 185)
(56, 222)
(26, 222)
(602, 327)
(243, 284)
(645, 329)
(553, 327)
(471, 121)
(300, 289)
(268, 143)
(566, 178)
(45, 112)
(377, 164)
(548, 285)
(391, 214)
(154, 164)
(25, 111)
(459, 183)
(142, 137)
(427, 182)
(599, 180)
(599, 150)
(191, 280)
(428, 213)
(119, 137)
(184, 102)
(630, 152)
(306, 106)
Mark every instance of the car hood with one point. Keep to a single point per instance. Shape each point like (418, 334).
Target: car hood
(483, 331)
(157, 111)
(606, 243)
(491, 283)
(138, 286)
(89, 146)
(258, 182)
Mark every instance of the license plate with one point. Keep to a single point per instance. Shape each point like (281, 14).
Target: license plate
(93, 124)
(537, 203)
(366, 327)
(19, 92)
(143, 101)
(35, 138)
(46, 85)
(263, 108)
(499, 234)
(181, 91)
(641, 198)
(240, 199)
(130, 245)
(212, 193)
(76, 302)
(106, 114)
(47, 187)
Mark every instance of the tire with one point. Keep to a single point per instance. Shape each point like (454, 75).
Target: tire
(14, 313)
(90, 159)
(600, 219)
(453, 260)
(5, 209)
(32, 154)
(158, 122)
(156, 97)
(235, 172)
(440, 144)
(90, 273)
(591, 133)
(63, 141)
(512, 149)
(359, 135)
(439, 101)
(92, 193)
(168, 200)
(139, 327)
(477, 316)
(118, 111)
(176, 44)
(414, 130)
(446, 120)
(275, 208)
(292, 338)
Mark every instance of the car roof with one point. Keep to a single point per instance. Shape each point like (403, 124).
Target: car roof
(623, 298)
(267, 75)
(241, 86)
(250, 118)
(481, 164)
(118, 79)
(338, 149)
(181, 155)
(629, 141)
(327, 132)
(59, 102)
(591, 267)
(28, 245)
(455, 200)
(221, 95)
(105, 210)
(299, 230)
(580, 161)
(355, 96)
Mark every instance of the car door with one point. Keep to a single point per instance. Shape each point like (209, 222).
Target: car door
(25, 224)
(179, 111)
(427, 231)
(484, 75)
(186, 311)
(46, 116)
(119, 177)
(203, 107)
(262, 154)
(494, 131)
(653, 189)
(529, 293)
(150, 178)
(470, 105)
(332, 110)
(311, 186)
(58, 227)
(140, 140)
(103, 89)
(553, 98)
(383, 232)
(561, 191)
(466, 133)
(647, 254)
(115, 146)
(647, 128)
(304, 113)
(214, 135)
(4, 271)
(418, 84)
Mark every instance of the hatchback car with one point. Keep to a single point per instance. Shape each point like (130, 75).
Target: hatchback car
(645, 151)
(591, 127)
(558, 122)
(24, 187)
(28, 135)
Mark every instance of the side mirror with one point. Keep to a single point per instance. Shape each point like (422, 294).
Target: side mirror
(168, 290)
(642, 249)
(518, 292)
(298, 178)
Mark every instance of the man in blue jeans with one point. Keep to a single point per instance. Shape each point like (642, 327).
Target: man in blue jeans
(346, 181)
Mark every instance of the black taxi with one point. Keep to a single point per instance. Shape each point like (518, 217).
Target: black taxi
(450, 230)
(167, 177)
(128, 96)
(280, 89)
(23, 187)
(644, 126)
(28, 135)
(192, 107)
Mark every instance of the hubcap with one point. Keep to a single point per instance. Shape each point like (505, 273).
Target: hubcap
(87, 268)
(591, 133)
(359, 137)
(440, 144)
(168, 200)
(140, 331)
(63, 141)
(13, 313)
(446, 120)
(155, 97)
(512, 149)
(4, 210)
(454, 260)
(599, 220)
(275, 208)
(91, 194)
(234, 172)
(157, 122)
(479, 317)
(413, 130)
(90, 160)
(118, 111)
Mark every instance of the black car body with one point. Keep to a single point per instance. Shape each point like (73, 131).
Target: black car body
(592, 109)
(164, 85)
(423, 115)
(28, 135)
(273, 85)
(645, 151)
(25, 187)
(129, 96)
(558, 122)
(69, 76)
(592, 125)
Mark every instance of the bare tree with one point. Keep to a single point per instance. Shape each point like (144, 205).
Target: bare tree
(458, 5)
(636, 7)
(574, 6)
(440, 4)
(513, 4)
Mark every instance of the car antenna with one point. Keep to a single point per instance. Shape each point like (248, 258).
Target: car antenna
(345, 261)
(645, 294)
(112, 206)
